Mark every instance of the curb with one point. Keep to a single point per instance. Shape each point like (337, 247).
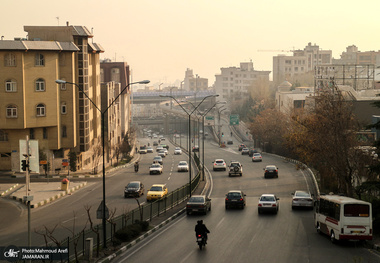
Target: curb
(140, 238)
(8, 190)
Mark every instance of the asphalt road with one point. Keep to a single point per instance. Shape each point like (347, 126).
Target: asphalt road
(68, 213)
(244, 235)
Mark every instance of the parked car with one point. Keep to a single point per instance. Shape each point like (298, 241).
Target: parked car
(183, 166)
(235, 168)
(268, 203)
(178, 151)
(245, 151)
(302, 199)
(271, 171)
(149, 149)
(241, 146)
(235, 198)
(196, 148)
(219, 164)
(198, 203)
(157, 191)
(155, 168)
(133, 189)
(257, 157)
(158, 159)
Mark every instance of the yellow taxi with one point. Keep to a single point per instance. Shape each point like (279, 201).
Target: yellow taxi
(157, 191)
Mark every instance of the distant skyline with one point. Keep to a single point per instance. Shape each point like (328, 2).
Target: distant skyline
(161, 39)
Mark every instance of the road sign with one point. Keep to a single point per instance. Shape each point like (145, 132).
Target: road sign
(99, 212)
(43, 162)
(234, 119)
(210, 121)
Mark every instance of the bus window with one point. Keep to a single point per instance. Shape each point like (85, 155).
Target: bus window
(356, 210)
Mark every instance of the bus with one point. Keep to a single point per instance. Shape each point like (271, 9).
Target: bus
(343, 218)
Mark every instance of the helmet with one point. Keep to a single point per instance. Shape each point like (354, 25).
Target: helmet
(200, 222)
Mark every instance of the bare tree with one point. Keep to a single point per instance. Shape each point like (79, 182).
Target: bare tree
(93, 229)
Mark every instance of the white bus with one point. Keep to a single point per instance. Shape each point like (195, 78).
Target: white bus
(343, 218)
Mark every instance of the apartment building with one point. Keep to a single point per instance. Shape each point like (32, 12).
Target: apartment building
(235, 83)
(59, 116)
(290, 100)
(194, 83)
(302, 62)
(352, 55)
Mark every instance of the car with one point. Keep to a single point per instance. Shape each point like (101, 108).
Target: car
(162, 138)
(302, 199)
(162, 153)
(241, 146)
(230, 142)
(177, 150)
(196, 148)
(165, 146)
(159, 148)
(198, 203)
(155, 168)
(257, 157)
(219, 164)
(235, 198)
(166, 151)
(158, 159)
(271, 171)
(251, 152)
(149, 149)
(155, 143)
(183, 166)
(157, 191)
(206, 133)
(268, 203)
(143, 149)
(245, 151)
(235, 168)
(134, 189)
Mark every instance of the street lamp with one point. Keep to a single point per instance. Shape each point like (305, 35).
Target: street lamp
(189, 128)
(219, 112)
(59, 81)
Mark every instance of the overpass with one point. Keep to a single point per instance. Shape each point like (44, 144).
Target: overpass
(152, 97)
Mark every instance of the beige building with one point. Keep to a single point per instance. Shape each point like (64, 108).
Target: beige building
(289, 100)
(302, 62)
(60, 117)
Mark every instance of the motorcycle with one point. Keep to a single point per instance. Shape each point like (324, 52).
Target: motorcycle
(201, 240)
(136, 168)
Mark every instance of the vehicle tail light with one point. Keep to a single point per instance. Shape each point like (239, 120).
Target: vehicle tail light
(274, 205)
(226, 199)
(295, 199)
(260, 205)
(241, 199)
(199, 235)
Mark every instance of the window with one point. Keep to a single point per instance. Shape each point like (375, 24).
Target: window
(63, 108)
(64, 132)
(40, 85)
(40, 61)
(31, 133)
(11, 111)
(10, 60)
(10, 86)
(41, 110)
(44, 133)
(3, 136)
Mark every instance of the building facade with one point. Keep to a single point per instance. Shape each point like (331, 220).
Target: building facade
(59, 116)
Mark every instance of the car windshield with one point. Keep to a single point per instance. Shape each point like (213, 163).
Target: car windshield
(235, 164)
(182, 163)
(219, 162)
(133, 185)
(234, 195)
(177, 149)
(302, 194)
(155, 165)
(157, 158)
(156, 188)
(197, 199)
(256, 154)
(267, 198)
(270, 168)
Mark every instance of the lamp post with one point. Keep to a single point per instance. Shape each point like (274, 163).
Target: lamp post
(189, 128)
(58, 81)
(219, 112)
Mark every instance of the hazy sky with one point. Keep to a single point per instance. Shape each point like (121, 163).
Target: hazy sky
(159, 39)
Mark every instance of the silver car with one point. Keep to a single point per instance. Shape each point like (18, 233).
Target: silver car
(268, 203)
(302, 199)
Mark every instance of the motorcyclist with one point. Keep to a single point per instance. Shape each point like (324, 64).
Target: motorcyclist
(136, 166)
(201, 229)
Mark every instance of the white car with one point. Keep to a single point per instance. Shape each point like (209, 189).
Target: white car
(155, 168)
(183, 166)
(162, 153)
(219, 164)
(268, 202)
(166, 151)
(177, 150)
(257, 157)
(159, 148)
(149, 149)
(302, 199)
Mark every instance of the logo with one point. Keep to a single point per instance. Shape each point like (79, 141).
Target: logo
(12, 253)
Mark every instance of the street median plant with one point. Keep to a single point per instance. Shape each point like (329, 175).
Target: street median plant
(130, 232)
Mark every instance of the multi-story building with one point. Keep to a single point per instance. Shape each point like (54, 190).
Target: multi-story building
(234, 84)
(353, 56)
(290, 100)
(119, 72)
(191, 83)
(303, 61)
(59, 116)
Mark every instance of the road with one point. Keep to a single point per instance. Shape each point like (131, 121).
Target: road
(244, 235)
(70, 210)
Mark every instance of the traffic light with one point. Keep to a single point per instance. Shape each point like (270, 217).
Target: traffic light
(24, 165)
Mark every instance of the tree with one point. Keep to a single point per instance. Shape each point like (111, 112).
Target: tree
(73, 160)
(326, 139)
(97, 153)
